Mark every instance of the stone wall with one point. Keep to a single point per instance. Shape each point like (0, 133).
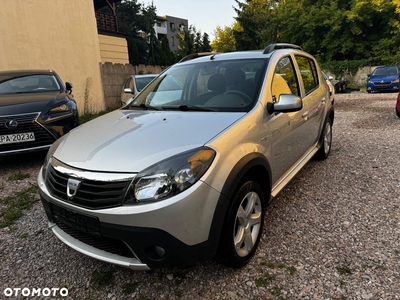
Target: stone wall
(114, 76)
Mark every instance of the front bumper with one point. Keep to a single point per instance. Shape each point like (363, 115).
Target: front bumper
(385, 87)
(169, 233)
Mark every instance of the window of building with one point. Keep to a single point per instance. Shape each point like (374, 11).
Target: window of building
(172, 26)
(172, 41)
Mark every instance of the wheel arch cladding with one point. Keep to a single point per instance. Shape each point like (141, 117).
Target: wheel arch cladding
(253, 166)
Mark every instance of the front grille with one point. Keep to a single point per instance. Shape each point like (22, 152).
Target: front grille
(79, 231)
(91, 194)
(26, 123)
(382, 84)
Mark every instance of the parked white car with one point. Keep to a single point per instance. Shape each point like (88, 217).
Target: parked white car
(133, 85)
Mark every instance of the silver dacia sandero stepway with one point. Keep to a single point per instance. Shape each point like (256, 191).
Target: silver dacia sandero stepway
(185, 171)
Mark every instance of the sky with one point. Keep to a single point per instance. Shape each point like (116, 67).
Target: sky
(205, 15)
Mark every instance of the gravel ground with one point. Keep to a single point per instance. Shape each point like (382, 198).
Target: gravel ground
(333, 232)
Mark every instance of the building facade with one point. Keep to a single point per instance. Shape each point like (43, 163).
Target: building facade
(170, 26)
(62, 36)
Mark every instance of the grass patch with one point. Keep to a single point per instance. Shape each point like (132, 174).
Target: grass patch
(18, 176)
(90, 116)
(129, 287)
(269, 264)
(143, 297)
(344, 270)
(24, 235)
(264, 280)
(292, 270)
(16, 204)
(102, 279)
(179, 293)
(281, 265)
(342, 297)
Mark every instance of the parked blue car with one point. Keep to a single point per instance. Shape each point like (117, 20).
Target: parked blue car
(384, 79)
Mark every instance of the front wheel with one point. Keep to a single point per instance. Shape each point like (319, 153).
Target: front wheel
(326, 145)
(243, 226)
(397, 112)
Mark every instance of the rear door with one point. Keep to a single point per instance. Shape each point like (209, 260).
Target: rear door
(314, 95)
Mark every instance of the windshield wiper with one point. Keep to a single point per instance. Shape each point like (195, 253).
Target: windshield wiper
(185, 107)
(144, 106)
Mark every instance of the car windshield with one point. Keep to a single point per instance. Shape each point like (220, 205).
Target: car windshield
(386, 71)
(231, 85)
(28, 84)
(141, 82)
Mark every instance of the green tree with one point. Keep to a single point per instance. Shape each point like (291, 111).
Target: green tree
(132, 23)
(186, 42)
(205, 43)
(153, 44)
(329, 29)
(224, 40)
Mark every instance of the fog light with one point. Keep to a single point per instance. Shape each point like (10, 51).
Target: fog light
(155, 252)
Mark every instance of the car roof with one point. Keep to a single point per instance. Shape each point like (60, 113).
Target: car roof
(27, 72)
(253, 54)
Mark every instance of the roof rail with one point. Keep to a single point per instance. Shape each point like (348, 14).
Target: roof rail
(196, 55)
(272, 47)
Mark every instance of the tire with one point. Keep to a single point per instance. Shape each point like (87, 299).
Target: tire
(243, 226)
(397, 113)
(326, 141)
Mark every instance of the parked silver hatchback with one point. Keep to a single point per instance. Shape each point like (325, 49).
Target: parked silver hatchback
(185, 172)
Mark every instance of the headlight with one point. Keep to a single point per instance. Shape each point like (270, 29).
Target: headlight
(170, 177)
(61, 108)
(395, 81)
(59, 112)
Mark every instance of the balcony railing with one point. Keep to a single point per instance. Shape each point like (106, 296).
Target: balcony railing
(106, 22)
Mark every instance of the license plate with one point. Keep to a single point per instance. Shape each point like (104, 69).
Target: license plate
(17, 138)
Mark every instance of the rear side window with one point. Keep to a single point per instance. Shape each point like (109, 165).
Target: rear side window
(308, 72)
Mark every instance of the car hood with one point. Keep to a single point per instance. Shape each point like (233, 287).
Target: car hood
(29, 102)
(130, 141)
(383, 77)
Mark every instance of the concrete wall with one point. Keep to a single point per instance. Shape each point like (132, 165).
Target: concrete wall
(54, 34)
(358, 79)
(114, 76)
(113, 49)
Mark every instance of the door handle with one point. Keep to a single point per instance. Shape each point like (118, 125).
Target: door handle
(305, 116)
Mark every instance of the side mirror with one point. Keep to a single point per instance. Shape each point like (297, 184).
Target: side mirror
(369, 75)
(286, 103)
(68, 87)
(127, 90)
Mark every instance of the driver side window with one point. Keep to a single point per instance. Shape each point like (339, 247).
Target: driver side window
(284, 80)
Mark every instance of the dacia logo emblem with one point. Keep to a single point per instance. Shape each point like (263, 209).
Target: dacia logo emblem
(72, 187)
(11, 123)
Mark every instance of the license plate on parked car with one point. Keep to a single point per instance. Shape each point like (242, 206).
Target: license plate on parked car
(17, 138)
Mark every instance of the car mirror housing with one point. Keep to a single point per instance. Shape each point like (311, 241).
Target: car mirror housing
(68, 87)
(127, 90)
(286, 103)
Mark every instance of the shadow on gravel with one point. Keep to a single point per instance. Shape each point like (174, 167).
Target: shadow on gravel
(22, 160)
